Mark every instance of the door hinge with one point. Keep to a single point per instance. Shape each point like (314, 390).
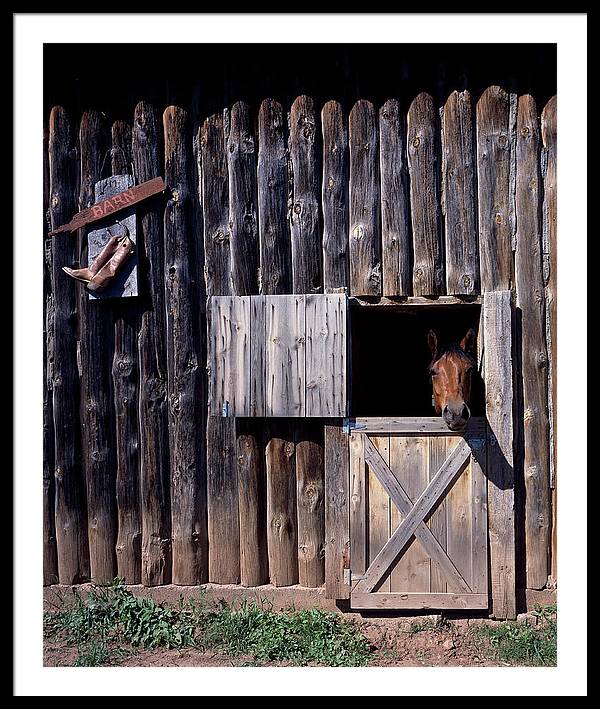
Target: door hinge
(349, 577)
(349, 425)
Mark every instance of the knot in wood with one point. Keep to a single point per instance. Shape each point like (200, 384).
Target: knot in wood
(525, 130)
(311, 491)
(58, 473)
(542, 360)
(289, 449)
(498, 219)
(308, 130)
(175, 195)
(220, 236)
(503, 140)
(366, 147)
(270, 182)
(55, 201)
(95, 456)
(358, 233)
(334, 149)
(467, 282)
(330, 182)
(416, 142)
(124, 365)
(297, 208)
(419, 273)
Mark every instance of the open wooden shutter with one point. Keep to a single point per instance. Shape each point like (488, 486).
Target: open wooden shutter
(418, 522)
(277, 355)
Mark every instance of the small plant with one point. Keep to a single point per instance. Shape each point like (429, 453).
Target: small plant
(520, 643)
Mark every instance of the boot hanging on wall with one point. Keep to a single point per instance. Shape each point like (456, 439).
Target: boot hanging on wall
(106, 264)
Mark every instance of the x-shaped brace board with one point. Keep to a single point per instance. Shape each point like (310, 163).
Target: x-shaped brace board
(415, 514)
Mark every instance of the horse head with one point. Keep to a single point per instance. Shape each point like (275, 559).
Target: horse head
(451, 372)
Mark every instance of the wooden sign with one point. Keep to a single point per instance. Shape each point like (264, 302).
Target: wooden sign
(125, 282)
(113, 204)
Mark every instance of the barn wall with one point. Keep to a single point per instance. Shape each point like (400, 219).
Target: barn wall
(425, 197)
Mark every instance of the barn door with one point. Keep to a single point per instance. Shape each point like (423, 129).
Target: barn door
(418, 519)
(277, 355)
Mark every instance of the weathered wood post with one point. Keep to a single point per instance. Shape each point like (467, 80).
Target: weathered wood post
(154, 435)
(96, 355)
(125, 371)
(188, 497)
(70, 508)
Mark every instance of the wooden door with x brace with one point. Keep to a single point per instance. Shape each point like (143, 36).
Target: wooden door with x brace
(418, 515)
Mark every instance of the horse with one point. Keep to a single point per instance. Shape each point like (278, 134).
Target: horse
(451, 372)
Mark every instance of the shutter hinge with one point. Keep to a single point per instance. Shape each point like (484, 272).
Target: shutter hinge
(225, 411)
(349, 425)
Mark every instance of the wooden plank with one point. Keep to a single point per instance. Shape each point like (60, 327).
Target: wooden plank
(402, 505)
(407, 303)
(154, 437)
(96, 357)
(414, 601)
(326, 357)
(282, 523)
(257, 355)
(451, 468)
(49, 553)
(224, 548)
(275, 245)
(498, 377)
(285, 355)
(493, 180)
(437, 523)
(534, 357)
(310, 498)
(431, 425)
(214, 194)
(125, 372)
(185, 380)
(358, 505)
(396, 240)
(411, 573)
(229, 355)
(479, 523)
(305, 178)
(252, 506)
(458, 195)
(334, 197)
(243, 200)
(337, 499)
(549, 210)
(459, 522)
(378, 508)
(422, 138)
(364, 191)
(113, 205)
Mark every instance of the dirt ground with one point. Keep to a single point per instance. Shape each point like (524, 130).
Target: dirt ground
(396, 643)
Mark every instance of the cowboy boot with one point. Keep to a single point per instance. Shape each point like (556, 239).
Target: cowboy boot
(86, 274)
(105, 275)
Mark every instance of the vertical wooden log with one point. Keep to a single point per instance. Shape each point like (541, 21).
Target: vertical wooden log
(125, 371)
(305, 222)
(154, 436)
(458, 196)
(254, 569)
(337, 501)
(365, 230)
(220, 216)
(310, 497)
(50, 562)
(335, 198)
(96, 354)
(493, 180)
(275, 246)
(188, 497)
(215, 204)
(549, 249)
(70, 510)
(282, 523)
(396, 247)
(498, 374)
(243, 212)
(428, 266)
(530, 300)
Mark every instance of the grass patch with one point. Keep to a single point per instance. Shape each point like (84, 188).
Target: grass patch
(110, 616)
(522, 643)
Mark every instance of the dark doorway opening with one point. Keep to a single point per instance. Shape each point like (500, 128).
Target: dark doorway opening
(390, 357)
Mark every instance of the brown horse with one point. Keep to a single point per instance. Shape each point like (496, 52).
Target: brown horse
(451, 373)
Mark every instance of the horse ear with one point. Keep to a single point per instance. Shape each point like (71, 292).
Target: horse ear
(467, 344)
(432, 341)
